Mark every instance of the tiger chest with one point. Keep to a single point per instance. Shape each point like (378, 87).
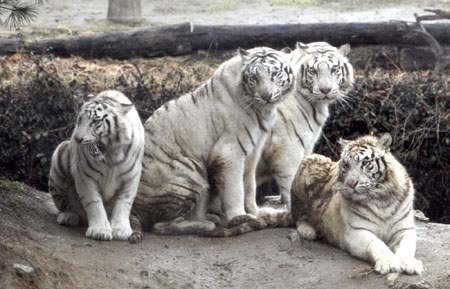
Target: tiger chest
(109, 183)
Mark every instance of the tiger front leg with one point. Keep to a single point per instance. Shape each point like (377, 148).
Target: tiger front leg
(406, 249)
(232, 192)
(120, 217)
(367, 246)
(99, 227)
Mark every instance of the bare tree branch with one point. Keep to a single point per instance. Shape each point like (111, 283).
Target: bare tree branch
(441, 60)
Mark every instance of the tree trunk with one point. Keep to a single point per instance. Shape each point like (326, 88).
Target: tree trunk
(128, 11)
(182, 39)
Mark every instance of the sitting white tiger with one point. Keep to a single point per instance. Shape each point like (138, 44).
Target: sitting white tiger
(204, 146)
(363, 203)
(96, 173)
(323, 75)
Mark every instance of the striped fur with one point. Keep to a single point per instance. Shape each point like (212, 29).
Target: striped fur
(362, 203)
(202, 148)
(96, 173)
(323, 75)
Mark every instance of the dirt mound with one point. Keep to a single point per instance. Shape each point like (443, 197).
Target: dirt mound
(60, 257)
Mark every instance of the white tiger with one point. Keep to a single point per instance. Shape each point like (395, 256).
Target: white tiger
(204, 146)
(363, 203)
(96, 173)
(323, 75)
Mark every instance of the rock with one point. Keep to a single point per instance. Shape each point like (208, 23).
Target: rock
(420, 216)
(23, 270)
(391, 278)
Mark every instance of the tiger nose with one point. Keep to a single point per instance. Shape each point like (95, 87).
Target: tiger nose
(266, 96)
(351, 183)
(325, 90)
(78, 139)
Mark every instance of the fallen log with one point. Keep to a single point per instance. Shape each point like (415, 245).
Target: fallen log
(185, 38)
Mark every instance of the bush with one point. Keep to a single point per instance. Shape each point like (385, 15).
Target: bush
(37, 109)
(415, 109)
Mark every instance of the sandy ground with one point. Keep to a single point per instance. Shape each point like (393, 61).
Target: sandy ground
(73, 17)
(63, 258)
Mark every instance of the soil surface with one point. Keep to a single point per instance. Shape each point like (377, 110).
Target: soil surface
(74, 17)
(61, 257)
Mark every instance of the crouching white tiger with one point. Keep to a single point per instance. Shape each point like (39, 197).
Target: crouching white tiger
(96, 173)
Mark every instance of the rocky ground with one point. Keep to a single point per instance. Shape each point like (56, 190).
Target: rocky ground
(36, 252)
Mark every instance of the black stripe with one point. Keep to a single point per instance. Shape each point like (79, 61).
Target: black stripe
(393, 237)
(359, 228)
(406, 214)
(108, 124)
(116, 124)
(296, 133)
(315, 115)
(240, 144)
(282, 115)
(154, 157)
(260, 122)
(185, 187)
(55, 185)
(133, 164)
(212, 85)
(91, 203)
(362, 216)
(213, 123)
(194, 99)
(90, 166)
(249, 135)
(305, 117)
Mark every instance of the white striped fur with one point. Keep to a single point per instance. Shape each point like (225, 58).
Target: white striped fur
(202, 148)
(318, 67)
(363, 203)
(95, 174)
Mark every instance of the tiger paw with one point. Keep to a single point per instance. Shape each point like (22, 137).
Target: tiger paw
(236, 221)
(388, 265)
(136, 237)
(99, 233)
(306, 232)
(68, 219)
(121, 233)
(411, 265)
(268, 211)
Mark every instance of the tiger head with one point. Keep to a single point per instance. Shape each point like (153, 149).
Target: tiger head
(323, 72)
(100, 122)
(363, 167)
(267, 74)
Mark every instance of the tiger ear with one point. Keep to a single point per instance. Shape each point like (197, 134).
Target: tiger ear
(80, 99)
(301, 45)
(385, 141)
(124, 108)
(344, 49)
(286, 50)
(343, 142)
(243, 53)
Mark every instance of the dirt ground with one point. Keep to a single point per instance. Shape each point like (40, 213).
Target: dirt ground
(74, 17)
(62, 257)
